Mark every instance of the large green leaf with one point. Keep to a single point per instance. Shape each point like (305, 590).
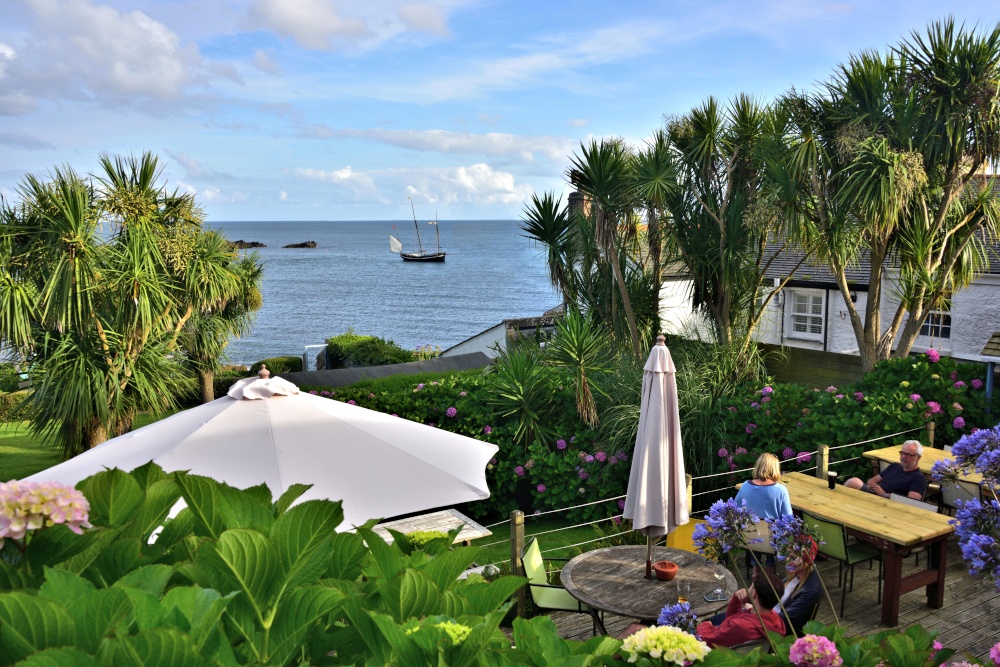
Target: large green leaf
(56, 544)
(205, 503)
(482, 635)
(165, 647)
(406, 650)
(148, 474)
(176, 529)
(484, 598)
(291, 494)
(147, 611)
(296, 616)
(69, 656)
(250, 508)
(113, 495)
(98, 615)
(302, 536)
(115, 562)
(29, 623)
(539, 639)
(161, 495)
(445, 567)
(357, 610)
(386, 561)
(242, 560)
(97, 542)
(203, 607)
(64, 588)
(412, 594)
(150, 578)
(13, 578)
(348, 557)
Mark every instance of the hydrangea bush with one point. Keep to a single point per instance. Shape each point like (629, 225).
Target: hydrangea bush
(665, 644)
(32, 506)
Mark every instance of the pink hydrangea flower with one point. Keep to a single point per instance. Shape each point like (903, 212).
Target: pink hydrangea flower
(462, 393)
(487, 429)
(27, 506)
(934, 406)
(839, 396)
(814, 651)
(804, 457)
(589, 459)
(723, 453)
(787, 453)
(750, 428)
(371, 395)
(313, 392)
(450, 412)
(995, 654)
(540, 488)
(977, 384)
(766, 399)
(420, 386)
(601, 456)
(393, 415)
(953, 375)
(959, 384)
(351, 402)
(519, 471)
(914, 397)
(732, 408)
(831, 389)
(740, 450)
(858, 396)
(732, 466)
(933, 356)
(959, 423)
(766, 390)
(583, 474)
(755, 405)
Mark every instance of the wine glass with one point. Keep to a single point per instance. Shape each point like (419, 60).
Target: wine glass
(719, 572)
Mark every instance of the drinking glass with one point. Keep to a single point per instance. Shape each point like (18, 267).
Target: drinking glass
(683, 590)
(719, 572)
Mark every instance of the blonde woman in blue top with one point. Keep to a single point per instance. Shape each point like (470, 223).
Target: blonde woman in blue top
(763, 495)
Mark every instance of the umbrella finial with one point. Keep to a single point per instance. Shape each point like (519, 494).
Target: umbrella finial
(661, 340)
(263, 373)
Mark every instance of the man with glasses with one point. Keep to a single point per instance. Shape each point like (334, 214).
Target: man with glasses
(903, 478)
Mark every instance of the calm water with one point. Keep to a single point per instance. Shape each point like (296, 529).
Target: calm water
(350, 279)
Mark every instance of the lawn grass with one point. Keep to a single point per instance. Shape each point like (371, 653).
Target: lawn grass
(22, 453)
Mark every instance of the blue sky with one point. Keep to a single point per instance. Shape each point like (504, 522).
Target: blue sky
(341, 110)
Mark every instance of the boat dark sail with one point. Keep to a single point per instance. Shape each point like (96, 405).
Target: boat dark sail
(420, 255)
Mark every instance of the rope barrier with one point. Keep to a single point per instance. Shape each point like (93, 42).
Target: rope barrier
(578, 544)
(566, 509)
(881, 437)
(579, 525)
(498, 523)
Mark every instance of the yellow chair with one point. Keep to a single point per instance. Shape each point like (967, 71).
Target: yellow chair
(545, 595)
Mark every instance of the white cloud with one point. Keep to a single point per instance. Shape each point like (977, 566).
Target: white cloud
(577, 122)
(493, 144)
(324, 25)
(217, 196)
(283, 196)
(194, 168)
(26, 141)
(360, 184)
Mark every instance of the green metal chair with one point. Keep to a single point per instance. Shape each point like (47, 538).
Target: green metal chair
(545, 595)
(834, 544)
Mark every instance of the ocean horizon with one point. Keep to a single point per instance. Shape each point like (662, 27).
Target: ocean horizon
(350, 281)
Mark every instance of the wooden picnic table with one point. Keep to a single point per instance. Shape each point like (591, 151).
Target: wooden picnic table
(926, 462)
(443, 520)
(895, 528)
(613, 580)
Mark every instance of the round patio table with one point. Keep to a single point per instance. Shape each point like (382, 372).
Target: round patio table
(613, 580)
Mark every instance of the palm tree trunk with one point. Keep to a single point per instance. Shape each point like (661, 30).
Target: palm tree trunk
(207, 379)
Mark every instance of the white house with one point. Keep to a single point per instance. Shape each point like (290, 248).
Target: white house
(810, 311)
(495, 338)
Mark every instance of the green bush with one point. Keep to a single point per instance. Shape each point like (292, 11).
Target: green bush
(8, 401)
(278, 365)
(351, 350)
(10, 376)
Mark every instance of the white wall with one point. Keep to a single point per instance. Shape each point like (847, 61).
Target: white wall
(676, 315)
(482, 342)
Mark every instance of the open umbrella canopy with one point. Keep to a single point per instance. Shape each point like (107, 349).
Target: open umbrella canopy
(379, 466)
(656, 501)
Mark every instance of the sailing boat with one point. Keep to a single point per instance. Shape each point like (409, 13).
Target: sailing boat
(420, 255)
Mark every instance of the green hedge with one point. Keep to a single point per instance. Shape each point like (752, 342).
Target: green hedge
(9, 400)
(277, 365)
(350, 350)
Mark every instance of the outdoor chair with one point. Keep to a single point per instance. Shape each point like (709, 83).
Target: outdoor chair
(547, 597)
(951, 492)
(833, 543)
(760, 549)
(747, 647)
(929, 507)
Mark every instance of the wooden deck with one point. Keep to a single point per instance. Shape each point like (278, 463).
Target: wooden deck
(969, 620)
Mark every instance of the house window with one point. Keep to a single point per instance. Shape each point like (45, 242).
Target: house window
(806, 315)
(937, 324)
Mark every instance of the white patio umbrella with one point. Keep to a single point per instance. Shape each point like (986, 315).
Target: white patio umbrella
(379, 466)
(656, 500)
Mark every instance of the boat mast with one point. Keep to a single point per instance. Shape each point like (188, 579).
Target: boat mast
(416, 226)
(437, 230)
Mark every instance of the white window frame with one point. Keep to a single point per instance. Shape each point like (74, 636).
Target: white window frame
(810, 316)
(935, 323)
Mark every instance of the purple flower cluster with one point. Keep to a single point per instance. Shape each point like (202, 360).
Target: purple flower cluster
(679, 616)
(450, 412)
(787, 453)
(540, 488)
(934, 406)
(750, 428)
(977, 384)
(858, 396)
(487, 429)
(914, 397)
(933, 356)
(958, 423)
(792, 538)
(560, 444)
(724, 529)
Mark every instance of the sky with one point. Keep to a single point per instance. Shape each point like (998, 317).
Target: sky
(348, 109)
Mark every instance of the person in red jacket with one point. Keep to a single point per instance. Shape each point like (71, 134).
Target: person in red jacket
(741, 623)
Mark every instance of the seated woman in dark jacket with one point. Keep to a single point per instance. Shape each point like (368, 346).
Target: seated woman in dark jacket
(802, 592)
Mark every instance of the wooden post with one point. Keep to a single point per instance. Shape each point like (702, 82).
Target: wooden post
(930, 434)
(822, 461)
(516, 545)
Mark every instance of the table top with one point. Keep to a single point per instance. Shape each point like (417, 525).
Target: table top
(898, 523)
(927, 460)
(443, 520)
(613, 579)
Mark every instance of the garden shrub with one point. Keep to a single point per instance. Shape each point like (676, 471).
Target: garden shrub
(8, 401)
(10, 376)
(278, 365)
(351, 350)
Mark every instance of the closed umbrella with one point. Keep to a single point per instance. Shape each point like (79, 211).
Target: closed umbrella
(379, 465)
(656, 501)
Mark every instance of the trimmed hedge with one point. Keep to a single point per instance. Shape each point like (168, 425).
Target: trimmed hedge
(350, 350)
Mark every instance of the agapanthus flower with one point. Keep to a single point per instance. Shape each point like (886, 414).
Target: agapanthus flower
(665, 643)
(519, 471)
(679, 616)
(814, 651)
(724, 529)
(560, 444)
(933, 356)
(27, 506)
(792, 538)
(958, 423)
(976, 525)
(540, 488)
(450, 412)
(976, 383)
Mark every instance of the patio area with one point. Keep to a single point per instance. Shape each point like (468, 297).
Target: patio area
(969, 620)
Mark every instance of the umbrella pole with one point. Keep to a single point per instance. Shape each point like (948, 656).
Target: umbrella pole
(649, 556)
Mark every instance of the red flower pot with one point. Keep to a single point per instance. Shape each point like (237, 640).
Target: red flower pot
(665, 569)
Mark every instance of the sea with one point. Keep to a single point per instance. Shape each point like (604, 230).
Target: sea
(350, 281)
